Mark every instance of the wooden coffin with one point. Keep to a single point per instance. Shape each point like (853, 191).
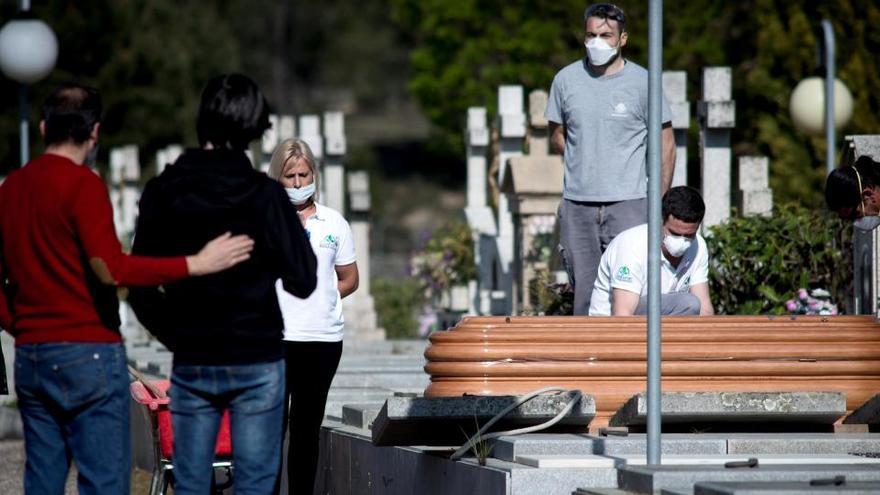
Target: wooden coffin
(606, 356)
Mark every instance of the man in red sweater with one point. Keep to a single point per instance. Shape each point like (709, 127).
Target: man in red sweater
(60, 265)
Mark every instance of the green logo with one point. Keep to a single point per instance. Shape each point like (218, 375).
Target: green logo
(623, 274)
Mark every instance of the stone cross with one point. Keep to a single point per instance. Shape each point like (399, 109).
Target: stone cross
(333, 173)
(717, 116)
(754, 196)
(167, 156)
(512, 130)
(479, 216)
(533, 184)
(125, 172)
(359, 309)
(675, 90)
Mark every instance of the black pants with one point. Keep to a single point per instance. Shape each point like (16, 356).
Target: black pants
(310, 369)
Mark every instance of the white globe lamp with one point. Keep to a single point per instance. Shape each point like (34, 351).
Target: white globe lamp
(807, 105)
(28, 51)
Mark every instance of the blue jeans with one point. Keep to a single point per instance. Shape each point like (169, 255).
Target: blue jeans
(254, 395)
(74, 403)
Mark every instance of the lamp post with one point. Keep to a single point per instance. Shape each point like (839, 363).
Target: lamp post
(822, 105)
(28, 50)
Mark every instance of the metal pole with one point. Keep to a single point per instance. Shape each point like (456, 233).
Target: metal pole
(830, 69)
(655, 223)
(23, 6)
(23, 123)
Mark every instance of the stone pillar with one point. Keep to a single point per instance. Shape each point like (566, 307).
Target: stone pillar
(310, 132)
(268, 144)
(479, 216)
(512, 130)
(167, 156)
(286, 127)
(125, 174)
(754, 196)
(359, 309)
(675, 90)
(333, 174)
(533, 184)
(717, 116)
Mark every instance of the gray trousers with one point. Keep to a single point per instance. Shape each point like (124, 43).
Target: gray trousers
(585, 229)
(677, 303)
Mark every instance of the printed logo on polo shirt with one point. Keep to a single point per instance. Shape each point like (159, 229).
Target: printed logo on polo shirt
(623, 274)
(619, 110)
(329, 241)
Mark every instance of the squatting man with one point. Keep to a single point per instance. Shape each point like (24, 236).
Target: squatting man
(622, 281)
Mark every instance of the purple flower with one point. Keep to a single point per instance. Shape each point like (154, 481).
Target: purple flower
(802, 294)
(791, 305)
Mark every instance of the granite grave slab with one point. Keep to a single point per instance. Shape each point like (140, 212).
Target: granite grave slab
(451, 420)
(650, 478)
(786, 488)
(786, 408)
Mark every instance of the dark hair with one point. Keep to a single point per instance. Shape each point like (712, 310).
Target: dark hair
(683, 203)
(607, 11)
(842, 185)
(71, 112)
(233, 112)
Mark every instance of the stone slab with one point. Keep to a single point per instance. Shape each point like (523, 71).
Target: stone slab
(566, 461)
(795, 444)
(650, 478)
(361, 415)
(784, 487)
(511, 447)
(561, 481)
(766, 459)
(736, 407)
(450, 420)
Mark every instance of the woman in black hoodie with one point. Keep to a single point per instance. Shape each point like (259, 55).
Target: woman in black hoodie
(225, 329)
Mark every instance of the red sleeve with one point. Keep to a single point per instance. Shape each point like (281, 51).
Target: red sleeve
(5, 311)
(93, 221)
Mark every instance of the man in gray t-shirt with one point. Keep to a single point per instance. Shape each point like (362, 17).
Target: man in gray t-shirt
(598, 115)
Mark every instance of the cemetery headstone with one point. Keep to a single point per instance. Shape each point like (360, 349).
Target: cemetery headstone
(716, 113)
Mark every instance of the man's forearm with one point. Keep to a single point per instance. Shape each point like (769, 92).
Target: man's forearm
(667, 159)
(557, 137)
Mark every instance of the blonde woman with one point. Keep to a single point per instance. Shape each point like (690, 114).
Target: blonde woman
(312, 326)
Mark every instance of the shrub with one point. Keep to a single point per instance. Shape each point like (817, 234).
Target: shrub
(446, 259)
(756, 262)
(397, 304)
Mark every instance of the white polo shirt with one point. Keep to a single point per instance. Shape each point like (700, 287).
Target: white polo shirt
(318, 318)
(624, 265)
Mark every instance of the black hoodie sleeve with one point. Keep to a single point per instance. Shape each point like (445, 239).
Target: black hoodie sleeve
(149, 303)
(290, 248)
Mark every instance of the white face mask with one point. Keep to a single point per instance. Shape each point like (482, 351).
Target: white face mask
(676, 245)
(600, 51)
(299, 195)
